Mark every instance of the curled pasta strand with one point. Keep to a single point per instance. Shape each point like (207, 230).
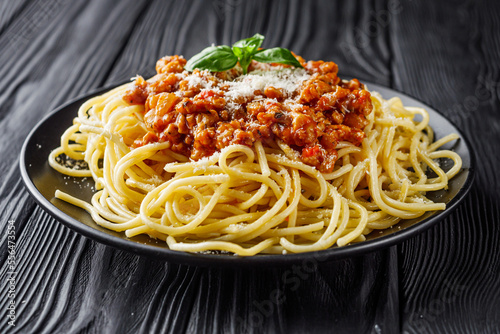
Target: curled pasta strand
(259, 199)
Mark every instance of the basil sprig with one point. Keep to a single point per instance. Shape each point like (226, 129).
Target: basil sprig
(222, 58)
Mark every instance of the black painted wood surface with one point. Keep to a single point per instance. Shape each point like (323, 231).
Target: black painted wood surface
(445, 53)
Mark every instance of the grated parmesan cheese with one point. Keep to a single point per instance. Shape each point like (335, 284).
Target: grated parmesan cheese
(287, 79)
(244, 87)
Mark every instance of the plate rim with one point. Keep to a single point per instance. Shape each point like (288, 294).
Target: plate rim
(197, 259)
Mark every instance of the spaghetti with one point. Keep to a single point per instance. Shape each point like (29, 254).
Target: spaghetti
(266, 194)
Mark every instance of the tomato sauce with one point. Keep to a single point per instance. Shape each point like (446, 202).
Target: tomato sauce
(202, 112)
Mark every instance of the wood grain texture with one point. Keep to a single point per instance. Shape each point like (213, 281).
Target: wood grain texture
(445, 280)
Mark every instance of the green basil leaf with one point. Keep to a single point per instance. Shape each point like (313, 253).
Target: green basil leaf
(238, 52)
(213, 58)
(248, 45)
(245, 48)
(245, 62)
(276, 55)
(222, 58)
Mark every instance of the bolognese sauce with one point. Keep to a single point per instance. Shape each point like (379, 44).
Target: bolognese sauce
(201, 112)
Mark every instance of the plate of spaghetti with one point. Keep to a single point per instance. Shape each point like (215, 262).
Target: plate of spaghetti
(267, 160)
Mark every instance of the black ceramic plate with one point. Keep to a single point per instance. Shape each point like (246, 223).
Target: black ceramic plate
(42, 181)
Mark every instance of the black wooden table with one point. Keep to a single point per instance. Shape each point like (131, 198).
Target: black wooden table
(445, 53)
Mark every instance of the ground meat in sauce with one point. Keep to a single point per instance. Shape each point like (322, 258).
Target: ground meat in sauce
(198, 116)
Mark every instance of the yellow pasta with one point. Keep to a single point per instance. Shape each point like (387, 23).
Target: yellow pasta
(260, 199)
